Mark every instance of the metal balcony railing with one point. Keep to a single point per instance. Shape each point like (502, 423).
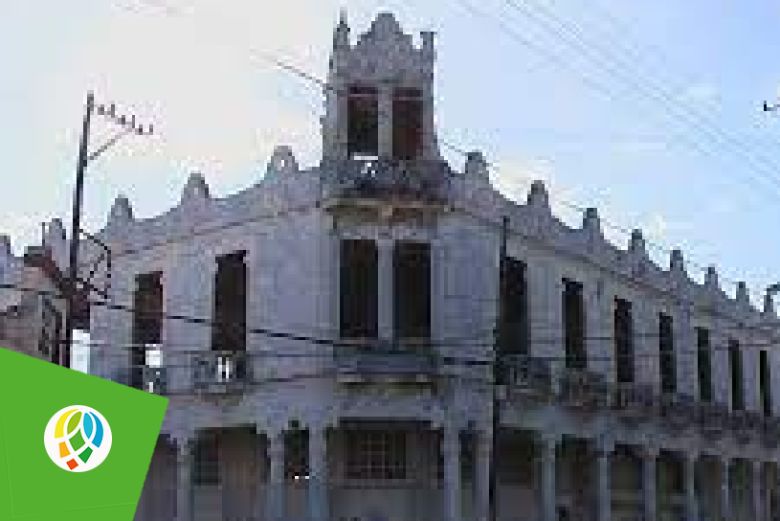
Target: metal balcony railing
(746, 425)
(220, 371)
(714, 420)
(583, 389)
(418, 180)
(633, 401)
(413, 363)
(678, 410)
(528, 377)
(771, 432)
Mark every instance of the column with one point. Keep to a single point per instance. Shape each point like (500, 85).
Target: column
(758, 501)
(691, 503)
(548, 491)
(451, 454)
(649, 473)
(604, 492)
(318, 474)
(275, 491)
(725, 489)
(482, 476)
(385, 288)
(184, 457)
(385, 108)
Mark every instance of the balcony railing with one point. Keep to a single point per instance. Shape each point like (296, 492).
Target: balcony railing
(379, 361)
(714, 420)
(746, 425)
(218, 372)
(633, 401)
(771, 432)
(583, 389)
(678, 410)
(418, 180)
(528, 377)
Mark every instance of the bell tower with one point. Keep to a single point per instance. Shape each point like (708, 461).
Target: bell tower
(379, 96)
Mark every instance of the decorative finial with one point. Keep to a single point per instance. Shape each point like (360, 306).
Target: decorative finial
(676, 261)
(121, 211)
(743, 296)
(195, 189)
(591, 222)
(637, 242)
(476, 165)
(711, 278)
(537, 196)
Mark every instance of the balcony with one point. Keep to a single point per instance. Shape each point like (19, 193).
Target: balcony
(383, 362)
(714, 419)
(583, 390)
(771, 432)
(678, 411)
(528, 378)
(220, 372)
(746, 425)
(399, 180)
(633, 401)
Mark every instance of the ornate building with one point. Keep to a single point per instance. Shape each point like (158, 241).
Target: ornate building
(326, 339)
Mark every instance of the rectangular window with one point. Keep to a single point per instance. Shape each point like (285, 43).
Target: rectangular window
(624, 341)
(737, 384)
(147, 322)
(376, 454)
(363, 122)
(666, 352)
(358, 292)
(704, 364)
(574, 324)
(412, 290)
(228, 332)
(765, 382)
(514, 329)
(407, 123)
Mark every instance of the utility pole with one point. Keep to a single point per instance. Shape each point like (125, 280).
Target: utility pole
(127, 125)
(498, 371)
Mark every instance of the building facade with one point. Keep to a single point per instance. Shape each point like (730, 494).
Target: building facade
(31, 285)
(327, 340)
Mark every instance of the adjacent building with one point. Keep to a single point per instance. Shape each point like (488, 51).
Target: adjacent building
(327, 335)
(31, 286)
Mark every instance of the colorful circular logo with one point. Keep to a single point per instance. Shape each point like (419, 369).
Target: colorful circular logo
(77, 438)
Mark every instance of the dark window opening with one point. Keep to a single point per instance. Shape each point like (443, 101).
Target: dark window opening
(574, 325)
(359, 290)
(514, 327)
(147, 322)
(363, 122)
(407, 123)
(228, 332)
(737, 384)
(765, 382)
(206, 455)
(412, 290)
(704, 364)
(296, 455)
(624, 341)
(666, 352)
